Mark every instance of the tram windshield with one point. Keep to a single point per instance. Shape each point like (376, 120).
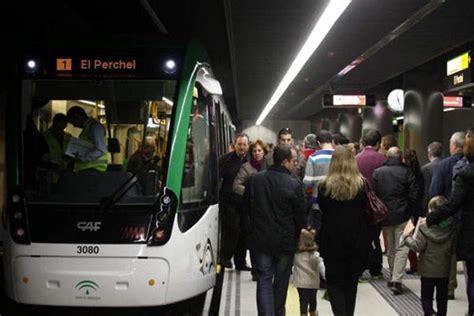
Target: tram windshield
(127, 124)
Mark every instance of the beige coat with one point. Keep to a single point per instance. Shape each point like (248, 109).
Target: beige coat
(306, 268)
(240, 181)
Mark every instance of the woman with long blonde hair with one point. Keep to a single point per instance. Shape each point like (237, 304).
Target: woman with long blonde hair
(344, 229)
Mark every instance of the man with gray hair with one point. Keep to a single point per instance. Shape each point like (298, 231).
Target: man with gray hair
(435, 152)
(441, 184)
(443, 173)
(395, 185)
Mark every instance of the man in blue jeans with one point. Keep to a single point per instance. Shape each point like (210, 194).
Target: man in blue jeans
(274, 201)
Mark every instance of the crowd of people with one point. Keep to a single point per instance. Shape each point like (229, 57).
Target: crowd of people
(303, 212)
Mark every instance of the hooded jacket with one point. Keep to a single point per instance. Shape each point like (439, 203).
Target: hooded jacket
(436, 247)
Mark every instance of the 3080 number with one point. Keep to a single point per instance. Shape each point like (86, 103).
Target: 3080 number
(88, 250)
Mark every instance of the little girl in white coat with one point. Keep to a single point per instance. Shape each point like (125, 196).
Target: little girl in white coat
(307, 266)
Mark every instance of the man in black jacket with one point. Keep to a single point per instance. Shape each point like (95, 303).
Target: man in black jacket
(275, 203)
(395, 185)
(234, 234)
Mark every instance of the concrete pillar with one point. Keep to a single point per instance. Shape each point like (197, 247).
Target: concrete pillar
(351, 126)
(423, 112)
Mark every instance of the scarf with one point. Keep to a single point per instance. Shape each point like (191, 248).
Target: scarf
(257, 164)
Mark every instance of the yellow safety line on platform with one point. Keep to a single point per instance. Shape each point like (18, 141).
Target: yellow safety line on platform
(292, 301)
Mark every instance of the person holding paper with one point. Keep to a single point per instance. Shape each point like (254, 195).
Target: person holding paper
(93, 133)
(436, 246)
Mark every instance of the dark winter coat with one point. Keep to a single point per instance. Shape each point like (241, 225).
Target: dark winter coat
(344, 229)
(274, 202)
(396, 186)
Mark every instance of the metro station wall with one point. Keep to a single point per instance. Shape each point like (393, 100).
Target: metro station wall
(268, 131)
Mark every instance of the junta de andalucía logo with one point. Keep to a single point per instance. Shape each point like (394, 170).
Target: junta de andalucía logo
(87, 287)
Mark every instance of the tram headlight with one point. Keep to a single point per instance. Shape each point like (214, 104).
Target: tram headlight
(31, 66)
(170, 66)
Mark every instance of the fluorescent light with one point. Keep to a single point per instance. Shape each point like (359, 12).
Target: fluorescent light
(87, 102)
(330, 15)
(448, 109)
(168, 101)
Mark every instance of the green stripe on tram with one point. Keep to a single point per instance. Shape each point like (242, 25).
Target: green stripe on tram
(194, 53)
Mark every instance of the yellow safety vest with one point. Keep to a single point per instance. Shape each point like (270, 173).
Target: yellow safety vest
(56, 150)
(101, 163)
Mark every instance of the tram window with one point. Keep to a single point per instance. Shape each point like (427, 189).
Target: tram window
(136, 114)
(197, 158)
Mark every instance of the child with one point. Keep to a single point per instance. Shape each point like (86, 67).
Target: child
(435, 245)
(307, 267)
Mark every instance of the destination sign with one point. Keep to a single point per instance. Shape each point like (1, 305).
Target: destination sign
(458, 63)
(130, 63)
(457, 102)
(66, 64)
(341, 100)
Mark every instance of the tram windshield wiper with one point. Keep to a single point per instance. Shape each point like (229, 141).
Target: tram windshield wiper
(108, 201)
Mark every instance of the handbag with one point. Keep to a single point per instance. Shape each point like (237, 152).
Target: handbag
(376, 210)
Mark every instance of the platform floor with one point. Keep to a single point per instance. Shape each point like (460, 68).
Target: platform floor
(373, 298)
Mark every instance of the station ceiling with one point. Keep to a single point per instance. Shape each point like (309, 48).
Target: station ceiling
(253, 42)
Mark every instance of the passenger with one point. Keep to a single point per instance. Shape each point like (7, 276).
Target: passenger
(388, 141)
(367, 161)
(410, 160)
(93, 133)
(339, 139)
(344, 229)
(308, 148)
(138, 160)
(285, 137)
(258, 150)
(395, 185)
(462, 201)
(442, 175)
(230, 205)
(442, 183)
(435, 245)
(435, 152)
(308, 266)
(316, 170)
(275, 203)
(55, 144)
(355, 148)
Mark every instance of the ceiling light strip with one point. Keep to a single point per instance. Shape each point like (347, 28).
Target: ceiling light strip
(330, 15)
(383, 42)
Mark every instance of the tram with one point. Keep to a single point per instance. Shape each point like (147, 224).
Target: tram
(115, 238)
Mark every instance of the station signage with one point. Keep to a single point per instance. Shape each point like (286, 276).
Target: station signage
(136, 63)
(459, 72)
(458, 63)
(348, 101)
(457, 102)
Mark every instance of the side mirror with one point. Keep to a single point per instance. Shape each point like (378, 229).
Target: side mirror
(210, 84)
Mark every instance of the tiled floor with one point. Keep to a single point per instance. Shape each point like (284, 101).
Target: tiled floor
(238, 298)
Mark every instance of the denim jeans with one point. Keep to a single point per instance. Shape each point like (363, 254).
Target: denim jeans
(272, 285)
